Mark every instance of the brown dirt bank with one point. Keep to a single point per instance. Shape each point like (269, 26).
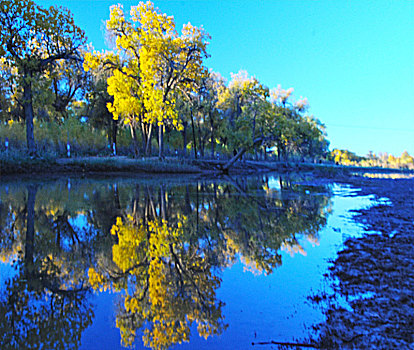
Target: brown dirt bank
(95, 165)
(375, 274)
(17, 165)
(122, 164)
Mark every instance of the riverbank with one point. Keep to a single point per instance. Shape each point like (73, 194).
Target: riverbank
(121, 164)
(15, 165)
(94, 165)
(374, 273)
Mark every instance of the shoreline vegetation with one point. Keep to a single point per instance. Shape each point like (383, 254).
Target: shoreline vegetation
(11, 165)
(150, 94)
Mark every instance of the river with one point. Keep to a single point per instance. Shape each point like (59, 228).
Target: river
(166, 262)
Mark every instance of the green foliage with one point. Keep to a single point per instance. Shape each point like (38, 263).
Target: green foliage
(52, 138)
(15, 132)
(244, 101)
(34, 40)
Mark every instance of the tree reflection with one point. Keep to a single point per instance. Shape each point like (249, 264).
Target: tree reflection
(161, 247)
(44, 305)
(168, 284)
(172, 244)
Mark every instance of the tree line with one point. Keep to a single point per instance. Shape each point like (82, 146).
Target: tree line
(153, 82)
(382, 160)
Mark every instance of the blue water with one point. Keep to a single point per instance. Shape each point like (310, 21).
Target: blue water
(261, 307)
(257, 306)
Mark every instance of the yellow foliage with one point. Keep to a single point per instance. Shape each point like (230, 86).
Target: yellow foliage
(91, 61)
(159, 63)
(97, 281)
(151, 248)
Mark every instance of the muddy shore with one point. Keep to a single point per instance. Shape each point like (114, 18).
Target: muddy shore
(374, 273)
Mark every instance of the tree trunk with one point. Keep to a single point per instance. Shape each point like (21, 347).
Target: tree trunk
(213, 142)
(253, 132)
(194, 137)
(187, 206)
(134, 141)
(279, 150)
(200, 142)
(239, 154)
(146, 132)
(212, 137)
(160, 141)
(167, 140)
(163, 210)
(30, 231)
(235, 158)
(114, 134)
(184, 133)
(148, 144)
(197, 209)
(28, 114)
(144, 137)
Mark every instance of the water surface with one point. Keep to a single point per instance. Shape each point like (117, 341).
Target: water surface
(165, 262)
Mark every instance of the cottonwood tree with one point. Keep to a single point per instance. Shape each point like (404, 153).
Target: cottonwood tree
(123, 85)
(100, 67)
(209, 119)
(303, 135)
(11, 93)
(245, 103)
(199, 112)
(32, 39)
(283, 121)
(68, 82)
(160, 62)
(294, 131)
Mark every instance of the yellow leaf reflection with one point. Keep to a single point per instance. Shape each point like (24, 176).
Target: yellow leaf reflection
(170, 285)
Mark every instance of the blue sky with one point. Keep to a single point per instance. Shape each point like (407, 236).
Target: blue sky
(353, 60)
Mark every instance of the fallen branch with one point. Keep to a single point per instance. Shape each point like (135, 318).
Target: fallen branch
(240, 153)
